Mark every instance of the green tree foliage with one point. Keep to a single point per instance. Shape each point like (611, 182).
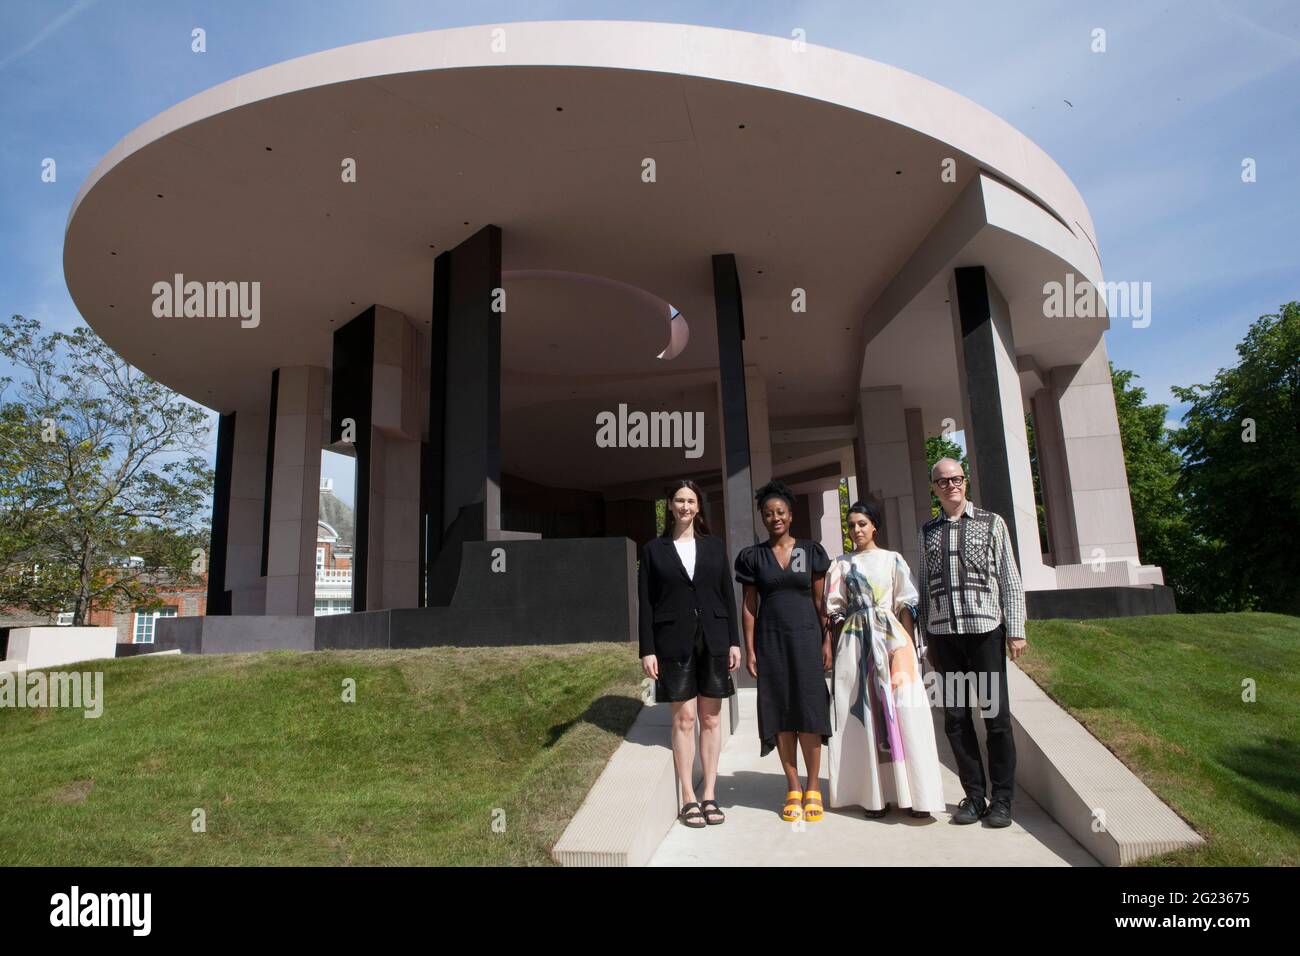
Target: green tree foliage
(101, 465)
(1160, 513)
(1241, 447)
(845, 504)
(1044, 542)
(941, 446)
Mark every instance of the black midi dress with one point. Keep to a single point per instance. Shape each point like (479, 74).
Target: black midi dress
(792, 691)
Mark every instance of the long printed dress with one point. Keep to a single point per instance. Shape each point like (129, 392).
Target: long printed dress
(883, 748)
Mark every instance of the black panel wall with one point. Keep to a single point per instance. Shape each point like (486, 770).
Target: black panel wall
(218, 596)
(730, 315)
(462, 467)
(979, 345)
(472, 378)
(431, 480)
(351, 394)
(270, 468)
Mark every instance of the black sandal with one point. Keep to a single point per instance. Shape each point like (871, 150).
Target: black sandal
(877, 814)
(694, 820)
(920, 814)
(716, 811)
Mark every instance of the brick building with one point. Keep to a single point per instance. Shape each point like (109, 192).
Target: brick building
(334, 530)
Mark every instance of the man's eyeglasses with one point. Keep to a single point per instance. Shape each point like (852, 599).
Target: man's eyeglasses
(953, 481)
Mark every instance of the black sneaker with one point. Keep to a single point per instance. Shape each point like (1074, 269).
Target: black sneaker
(999, 814)
(969, 811)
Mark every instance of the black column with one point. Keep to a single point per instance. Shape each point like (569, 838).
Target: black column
(351, 396)
(730, 315)
(984, 329)
(270, 468)
(433, 452)
(462, 468)
(218, 596)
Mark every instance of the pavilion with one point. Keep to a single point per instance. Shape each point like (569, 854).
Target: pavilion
(453, 254)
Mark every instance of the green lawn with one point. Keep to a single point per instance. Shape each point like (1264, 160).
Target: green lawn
(413, 773)
(1165, 695)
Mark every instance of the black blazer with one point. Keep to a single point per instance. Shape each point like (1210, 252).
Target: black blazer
(669, 599)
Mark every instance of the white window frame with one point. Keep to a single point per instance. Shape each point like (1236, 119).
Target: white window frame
(144, 623)
(324, 606)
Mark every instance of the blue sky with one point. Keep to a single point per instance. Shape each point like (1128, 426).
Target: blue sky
(1153, 134)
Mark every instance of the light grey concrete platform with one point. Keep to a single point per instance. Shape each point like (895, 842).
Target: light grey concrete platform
(751, 790)
(1076, 804)
(1085, 787)
(635, 800)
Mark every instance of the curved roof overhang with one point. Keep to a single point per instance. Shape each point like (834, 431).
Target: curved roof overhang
(818, 169)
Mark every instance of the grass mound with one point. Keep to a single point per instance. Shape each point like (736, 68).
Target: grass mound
(448, 756)
(1168, 696)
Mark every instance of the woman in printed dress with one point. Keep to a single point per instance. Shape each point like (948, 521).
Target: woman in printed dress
(883, 749)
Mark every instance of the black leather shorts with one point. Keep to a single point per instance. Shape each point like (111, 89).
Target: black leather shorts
(700, 675)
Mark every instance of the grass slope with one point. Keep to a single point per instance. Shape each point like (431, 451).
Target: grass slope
(1165, 695)
(438, 744)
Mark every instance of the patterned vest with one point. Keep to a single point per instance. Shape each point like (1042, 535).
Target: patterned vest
(970, 575)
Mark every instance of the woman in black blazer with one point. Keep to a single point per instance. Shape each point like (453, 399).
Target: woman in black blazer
(690, 642)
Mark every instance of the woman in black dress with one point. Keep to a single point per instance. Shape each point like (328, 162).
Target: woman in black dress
(689, 641)
(787, 637)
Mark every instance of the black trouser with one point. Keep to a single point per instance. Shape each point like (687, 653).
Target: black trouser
(974, 672)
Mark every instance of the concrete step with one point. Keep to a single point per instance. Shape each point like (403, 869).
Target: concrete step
(632, 804)
(1085, 787)
(636, 798)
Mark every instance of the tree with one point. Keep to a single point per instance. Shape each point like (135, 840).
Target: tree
(941, 446)
(1160, 513)
(1241, 446)
(102, 466)
(1044, 539)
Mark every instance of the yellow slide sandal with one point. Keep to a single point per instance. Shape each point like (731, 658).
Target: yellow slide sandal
(793, 810)
(812, 806)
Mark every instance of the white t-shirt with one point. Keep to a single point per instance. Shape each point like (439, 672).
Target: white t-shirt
(686, 551)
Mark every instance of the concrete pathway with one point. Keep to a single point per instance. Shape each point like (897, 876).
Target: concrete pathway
(751, 790)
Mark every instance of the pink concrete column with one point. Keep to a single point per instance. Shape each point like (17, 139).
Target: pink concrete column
(392, 579)
(295, 491)
(886, 445)
(1092, 462)
(993, 414)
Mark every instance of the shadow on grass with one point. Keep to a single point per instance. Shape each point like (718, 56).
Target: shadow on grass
(612, 713)
(1271, 765)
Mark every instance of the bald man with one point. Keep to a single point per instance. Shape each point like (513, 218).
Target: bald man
(972, 610)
